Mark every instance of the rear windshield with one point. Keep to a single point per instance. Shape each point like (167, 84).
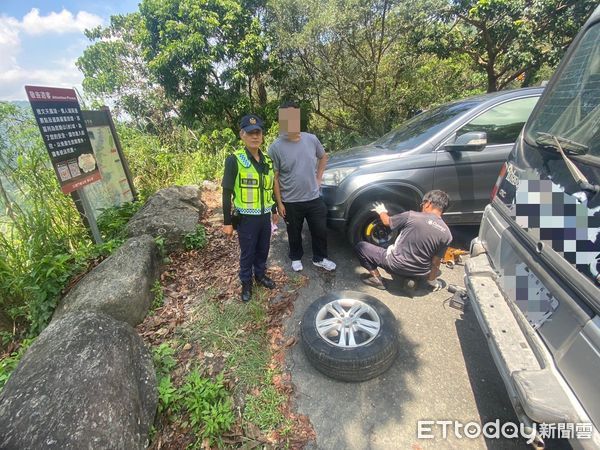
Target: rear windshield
(420, 128)
(572, 109)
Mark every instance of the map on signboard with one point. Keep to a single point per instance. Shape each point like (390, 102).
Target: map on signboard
(114, 188)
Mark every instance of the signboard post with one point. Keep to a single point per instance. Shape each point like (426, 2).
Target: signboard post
(61, 124)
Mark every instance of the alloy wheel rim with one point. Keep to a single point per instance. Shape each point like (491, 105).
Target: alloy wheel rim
(347, 323)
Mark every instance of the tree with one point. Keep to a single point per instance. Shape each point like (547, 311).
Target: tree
(209, 57)
(115, 72)
(354, 61)
(508, 39)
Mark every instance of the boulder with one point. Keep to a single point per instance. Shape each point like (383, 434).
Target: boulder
(170, 213)
(87, 382)
(120, 286)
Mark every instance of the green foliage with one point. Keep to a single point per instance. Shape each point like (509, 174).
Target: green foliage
(204, 404)
(43, 241)
(355, 61)
(506, 40)
(41, 229)
(48, 276)
(159, 295)
(168, 394)
(357, 67)
(182, 157)
(116, 73)
(9, 363)
(208, 405)
(197, 239)
(112, 221)
(160, 243)
(164, 360)
(207, 56)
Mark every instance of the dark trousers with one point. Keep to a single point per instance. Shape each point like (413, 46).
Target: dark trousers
(315, 213)
(371, 256)
(254, 234)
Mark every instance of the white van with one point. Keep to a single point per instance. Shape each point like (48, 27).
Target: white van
(534, 273)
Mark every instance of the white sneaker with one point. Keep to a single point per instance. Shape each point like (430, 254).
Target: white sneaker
(297, 265)
(325, 264)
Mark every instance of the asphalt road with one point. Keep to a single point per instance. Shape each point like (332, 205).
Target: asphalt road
(444, 370)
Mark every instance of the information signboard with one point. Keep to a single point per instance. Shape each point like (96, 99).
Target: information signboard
(116, 187)
(61, 124)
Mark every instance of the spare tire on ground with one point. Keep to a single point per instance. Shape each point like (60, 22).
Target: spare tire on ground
(349, 336)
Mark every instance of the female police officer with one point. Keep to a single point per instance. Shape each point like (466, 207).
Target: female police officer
(248, 178)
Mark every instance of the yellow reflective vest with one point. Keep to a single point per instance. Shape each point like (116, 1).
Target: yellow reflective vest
(253, 191)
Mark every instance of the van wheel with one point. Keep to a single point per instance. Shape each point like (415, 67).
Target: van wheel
(366, 226)
(349, 336)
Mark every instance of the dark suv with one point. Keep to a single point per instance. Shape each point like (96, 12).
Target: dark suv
(458, 147)
(534, 273)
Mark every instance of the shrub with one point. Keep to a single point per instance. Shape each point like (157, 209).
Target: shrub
(195, 240)
(9, 363)
(208, 404)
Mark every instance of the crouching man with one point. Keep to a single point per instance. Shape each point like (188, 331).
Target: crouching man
(419, 248)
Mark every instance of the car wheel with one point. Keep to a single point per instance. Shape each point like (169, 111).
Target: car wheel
(366, 226)
(349, 336)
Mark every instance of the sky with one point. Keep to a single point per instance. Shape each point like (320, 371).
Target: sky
(41, 40)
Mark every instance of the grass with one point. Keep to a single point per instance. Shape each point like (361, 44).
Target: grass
(238, 331)
(263, 408)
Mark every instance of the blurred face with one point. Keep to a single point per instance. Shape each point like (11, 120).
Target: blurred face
(289, 121)
(253, 139)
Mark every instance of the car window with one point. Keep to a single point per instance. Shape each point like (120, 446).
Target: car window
(420, 128)
(572, 109)
(504, 122)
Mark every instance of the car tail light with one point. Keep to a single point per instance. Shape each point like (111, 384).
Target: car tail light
(498, 181)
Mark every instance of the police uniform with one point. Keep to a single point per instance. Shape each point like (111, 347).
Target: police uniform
(250, 183)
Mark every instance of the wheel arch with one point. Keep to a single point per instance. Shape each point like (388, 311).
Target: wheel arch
(404, 194)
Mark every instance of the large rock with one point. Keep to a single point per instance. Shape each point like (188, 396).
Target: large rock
(171, 213)
(86, 383)
(119, 286)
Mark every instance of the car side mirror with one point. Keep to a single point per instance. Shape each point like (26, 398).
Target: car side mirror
(474, 141)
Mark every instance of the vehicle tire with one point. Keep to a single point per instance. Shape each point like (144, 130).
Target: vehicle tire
(366, 348)
(366, 226)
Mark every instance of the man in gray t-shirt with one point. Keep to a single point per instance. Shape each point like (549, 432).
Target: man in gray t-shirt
(299, 161)
(419, 248)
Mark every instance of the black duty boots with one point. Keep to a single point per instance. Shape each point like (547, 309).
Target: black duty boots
(246, 291)
(266, 282)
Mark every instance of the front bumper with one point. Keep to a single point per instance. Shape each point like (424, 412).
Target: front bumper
(536, 388)
(335, 212)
